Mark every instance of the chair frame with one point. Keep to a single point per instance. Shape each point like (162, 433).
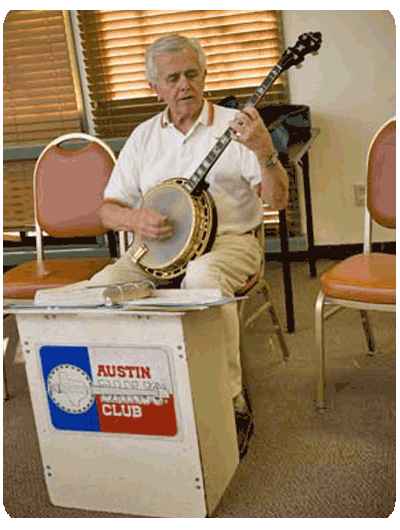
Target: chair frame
(38, 230)
(57, 141)
(261, 287)
(336, 304)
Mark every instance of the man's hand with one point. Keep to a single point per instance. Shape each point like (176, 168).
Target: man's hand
(144, 222)
(251, 131)
(151, 224)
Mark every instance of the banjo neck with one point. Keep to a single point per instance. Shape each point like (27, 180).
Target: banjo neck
(196, 182)
(294, 55)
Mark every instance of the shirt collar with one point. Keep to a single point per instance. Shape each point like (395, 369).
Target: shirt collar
(206, 115)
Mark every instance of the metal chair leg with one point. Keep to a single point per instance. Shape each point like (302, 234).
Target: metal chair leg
(275, 321)
(319, 335)
(6, 394)
(246, 389)
(369, 337)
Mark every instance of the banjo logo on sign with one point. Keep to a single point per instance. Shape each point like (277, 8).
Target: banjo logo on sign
(100, 389)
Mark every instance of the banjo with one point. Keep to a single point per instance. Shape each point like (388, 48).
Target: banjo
(186, 203)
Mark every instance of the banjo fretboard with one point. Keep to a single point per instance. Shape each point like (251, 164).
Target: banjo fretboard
(294, 55)
(196, 183)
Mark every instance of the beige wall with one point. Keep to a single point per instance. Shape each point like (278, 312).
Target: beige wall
(350, 88)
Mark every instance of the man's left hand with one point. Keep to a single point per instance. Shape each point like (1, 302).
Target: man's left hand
(251, 131)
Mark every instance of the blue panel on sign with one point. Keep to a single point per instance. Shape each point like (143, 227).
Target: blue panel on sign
(68, 382)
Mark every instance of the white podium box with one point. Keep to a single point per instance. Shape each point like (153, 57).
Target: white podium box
(132, 407)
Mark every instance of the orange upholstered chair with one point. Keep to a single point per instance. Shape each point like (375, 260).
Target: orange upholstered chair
(368, 280)
(68, 182)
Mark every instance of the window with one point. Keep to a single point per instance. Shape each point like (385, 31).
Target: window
(241, 48)
(42, 86)
(39, 102)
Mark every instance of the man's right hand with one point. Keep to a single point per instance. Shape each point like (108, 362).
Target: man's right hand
(144, 222)
(151, 224)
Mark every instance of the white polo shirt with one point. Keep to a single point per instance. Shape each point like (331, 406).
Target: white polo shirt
(156, 151)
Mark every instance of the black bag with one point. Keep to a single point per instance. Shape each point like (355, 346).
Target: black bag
(288, 124)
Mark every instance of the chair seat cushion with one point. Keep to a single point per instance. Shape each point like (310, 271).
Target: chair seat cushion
(22, 281)
(367, 278)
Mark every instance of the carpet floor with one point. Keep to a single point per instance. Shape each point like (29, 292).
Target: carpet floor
(302, 463)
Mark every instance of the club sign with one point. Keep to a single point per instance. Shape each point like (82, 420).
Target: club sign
(114, 390)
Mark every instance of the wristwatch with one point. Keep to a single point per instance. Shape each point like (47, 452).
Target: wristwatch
(272, 160)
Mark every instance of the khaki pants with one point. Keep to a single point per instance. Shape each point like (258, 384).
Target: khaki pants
(227, 267)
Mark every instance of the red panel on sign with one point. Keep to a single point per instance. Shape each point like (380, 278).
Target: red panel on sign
(138, 418)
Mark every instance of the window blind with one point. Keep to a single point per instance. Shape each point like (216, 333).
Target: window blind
(241, 48)
(39, 101)
(18, 209)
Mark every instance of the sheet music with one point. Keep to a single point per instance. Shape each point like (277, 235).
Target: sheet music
(182, 298)
(161, 300)
(94, 295)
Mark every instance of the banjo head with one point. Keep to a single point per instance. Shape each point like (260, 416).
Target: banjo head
(173, 201)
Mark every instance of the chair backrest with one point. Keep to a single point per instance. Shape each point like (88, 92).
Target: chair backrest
(68, 185)
(381, 180)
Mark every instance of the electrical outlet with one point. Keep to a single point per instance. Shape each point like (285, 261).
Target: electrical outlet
(359, 195)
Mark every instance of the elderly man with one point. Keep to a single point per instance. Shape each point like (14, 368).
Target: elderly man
(173, 143)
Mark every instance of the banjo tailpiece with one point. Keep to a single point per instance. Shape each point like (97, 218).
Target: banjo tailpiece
(187, 204)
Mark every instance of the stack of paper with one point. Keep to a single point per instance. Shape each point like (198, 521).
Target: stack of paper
(94, 295)
(175, 299)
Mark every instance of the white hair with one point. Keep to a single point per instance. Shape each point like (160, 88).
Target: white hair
(171, 44)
